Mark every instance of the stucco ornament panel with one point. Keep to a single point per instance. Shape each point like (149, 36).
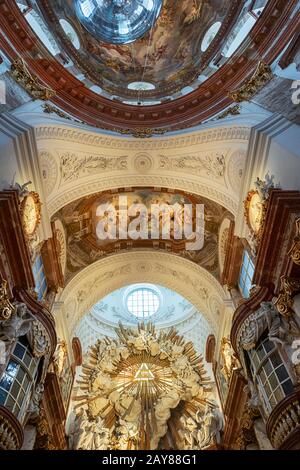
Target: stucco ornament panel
(235, 169)
(49, 170)
(205, 163)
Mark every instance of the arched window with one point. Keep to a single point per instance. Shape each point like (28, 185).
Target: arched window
(70, 32)
(269, 374)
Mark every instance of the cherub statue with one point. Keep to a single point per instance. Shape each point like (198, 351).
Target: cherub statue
(81, 427)
(21, 188)
(229, 359)
(189, 432)
(34, 405)
(60, 356)
(211, 424)
(277, 332)
(19, 324)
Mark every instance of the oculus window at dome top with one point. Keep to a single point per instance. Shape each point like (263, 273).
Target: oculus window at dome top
(118, 21)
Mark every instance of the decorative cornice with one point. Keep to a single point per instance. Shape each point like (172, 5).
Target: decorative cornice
(282, 210)
(74, 135)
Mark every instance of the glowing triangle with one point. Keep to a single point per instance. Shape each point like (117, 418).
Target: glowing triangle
(143, 374)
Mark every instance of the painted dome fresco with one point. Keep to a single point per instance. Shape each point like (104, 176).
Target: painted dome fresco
(140, 48)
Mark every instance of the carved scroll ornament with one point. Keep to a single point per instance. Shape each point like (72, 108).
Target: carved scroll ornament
(6, 308)
(295, 250)
(285, 302)
(265, 318)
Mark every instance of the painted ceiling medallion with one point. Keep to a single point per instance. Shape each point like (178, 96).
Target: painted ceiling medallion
(255, 211)
(118, 21)
(31, 213)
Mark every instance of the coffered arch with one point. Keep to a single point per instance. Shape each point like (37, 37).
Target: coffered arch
(107, 275)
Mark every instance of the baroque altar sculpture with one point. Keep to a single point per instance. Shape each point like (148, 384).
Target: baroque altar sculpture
(133, 385)
(229, 359)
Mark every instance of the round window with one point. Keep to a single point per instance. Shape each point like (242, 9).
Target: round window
(143, 302)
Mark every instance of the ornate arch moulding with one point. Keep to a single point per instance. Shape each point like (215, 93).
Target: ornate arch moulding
(183, 184)
(109, 274)
(54, 141)
(234, 131)
(209, 99)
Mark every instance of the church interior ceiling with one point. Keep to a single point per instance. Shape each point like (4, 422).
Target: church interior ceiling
(115, 333)
(80, 219)
(183, 72)
(172, 48)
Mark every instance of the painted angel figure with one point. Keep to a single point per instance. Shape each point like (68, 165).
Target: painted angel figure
(18, 325)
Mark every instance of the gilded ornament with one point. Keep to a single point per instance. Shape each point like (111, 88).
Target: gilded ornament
(285, 301)
(30, 209)
(254, 208)
(229, 360)
(295, 250)
(31, 84)
(262, 75)
(131, 385)
(142, 132)
(232, 111)
(6, 308)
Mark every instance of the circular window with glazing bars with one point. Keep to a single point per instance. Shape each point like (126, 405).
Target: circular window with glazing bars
(143, 302)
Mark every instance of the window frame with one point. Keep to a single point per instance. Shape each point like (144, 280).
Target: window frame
(258, 366)
(18, 404)
(245, 279)
(137, 303)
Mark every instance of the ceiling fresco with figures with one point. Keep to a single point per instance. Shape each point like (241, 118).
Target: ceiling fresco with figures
(80, 221)
(165, 59)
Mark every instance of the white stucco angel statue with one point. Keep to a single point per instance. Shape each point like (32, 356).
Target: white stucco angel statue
(19, 323)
